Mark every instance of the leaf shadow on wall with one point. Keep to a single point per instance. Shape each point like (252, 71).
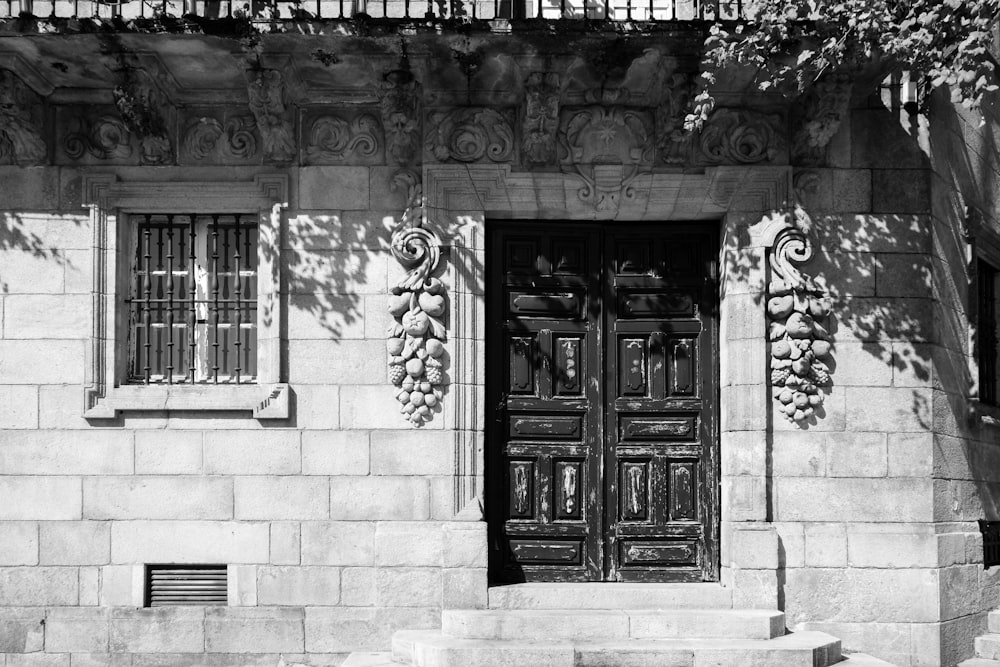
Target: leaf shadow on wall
(966, 161)
(18, 238)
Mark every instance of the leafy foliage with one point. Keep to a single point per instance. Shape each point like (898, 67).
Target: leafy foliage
(792, 44)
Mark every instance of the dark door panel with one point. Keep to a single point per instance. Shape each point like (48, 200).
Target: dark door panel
(601, 454)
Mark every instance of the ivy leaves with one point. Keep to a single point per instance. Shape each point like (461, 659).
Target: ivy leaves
(792, 44)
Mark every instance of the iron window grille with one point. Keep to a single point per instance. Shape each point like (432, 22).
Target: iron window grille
(986, 331)
(193, 299)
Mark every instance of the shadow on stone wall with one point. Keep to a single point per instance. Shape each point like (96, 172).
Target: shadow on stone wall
(966, 162)
(16, 235)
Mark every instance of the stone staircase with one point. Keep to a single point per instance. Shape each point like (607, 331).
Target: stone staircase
(620, 625)
(987, 646)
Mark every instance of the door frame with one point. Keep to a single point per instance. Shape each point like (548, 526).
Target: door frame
(459, 198)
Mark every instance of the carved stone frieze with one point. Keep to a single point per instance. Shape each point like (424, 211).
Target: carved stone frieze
(739, 136)
(607, 147)
(334, 139)
(267, 102)
(399, 102)
(825, 107)
(540, 122)
(103, 137)
(470, 134)
(146, 112)
(797, 309)
(21, 141)
(221, 138)
(418, 303)
(673, 144)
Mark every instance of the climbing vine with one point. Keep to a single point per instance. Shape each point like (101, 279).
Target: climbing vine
(795, 43)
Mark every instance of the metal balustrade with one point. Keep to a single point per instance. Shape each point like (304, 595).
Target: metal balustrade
(600, 10)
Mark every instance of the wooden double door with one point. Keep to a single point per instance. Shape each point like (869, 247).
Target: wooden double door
(602, 438)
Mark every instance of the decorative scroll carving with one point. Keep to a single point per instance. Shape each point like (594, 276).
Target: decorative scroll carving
(797, 309)
(335, 139)
(105, 138)
(21, 141)
(470, 135)
(207, 137)
(607, 147)
(142, 108)
(673, 144)
(733, 136)
(418, 303)
(266, 91)
(825, 107)
(399, 100)
(541, 118)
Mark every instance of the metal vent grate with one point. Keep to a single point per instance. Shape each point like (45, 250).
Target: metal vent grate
(991, 542)
(192, 585)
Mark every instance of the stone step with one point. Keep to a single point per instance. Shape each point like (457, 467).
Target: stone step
(429, 648)
(610, 596)
(988, 646)
(559, 624)
(863, 660)
(370, 659)
(979, 662)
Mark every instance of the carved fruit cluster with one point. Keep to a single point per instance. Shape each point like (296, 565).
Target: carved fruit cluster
(415, 348)
(800, 348)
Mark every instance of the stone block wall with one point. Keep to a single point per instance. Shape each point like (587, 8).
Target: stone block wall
(337, 524)
(869, 552)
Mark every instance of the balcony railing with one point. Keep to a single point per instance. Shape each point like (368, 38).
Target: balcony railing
(599, 10)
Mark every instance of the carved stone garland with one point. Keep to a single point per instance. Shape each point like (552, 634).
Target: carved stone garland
(418, 303)
(797, 309)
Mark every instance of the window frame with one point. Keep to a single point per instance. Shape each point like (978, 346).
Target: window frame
(983, 247)
(987, 396)
(112, 202)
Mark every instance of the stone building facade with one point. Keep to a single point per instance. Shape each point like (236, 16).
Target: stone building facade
(436, 371)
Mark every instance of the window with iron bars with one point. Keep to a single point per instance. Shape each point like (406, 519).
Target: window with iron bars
(192, 306)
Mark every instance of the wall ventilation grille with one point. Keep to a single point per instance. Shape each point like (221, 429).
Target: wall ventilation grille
(193, 585)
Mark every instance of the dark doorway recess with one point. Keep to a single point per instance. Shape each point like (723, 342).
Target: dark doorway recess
(602, 445)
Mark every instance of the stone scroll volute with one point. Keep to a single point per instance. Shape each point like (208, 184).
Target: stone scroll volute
(798, 310)
(418, 303)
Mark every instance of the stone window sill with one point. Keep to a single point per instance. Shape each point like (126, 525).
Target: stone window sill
(265, 401)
